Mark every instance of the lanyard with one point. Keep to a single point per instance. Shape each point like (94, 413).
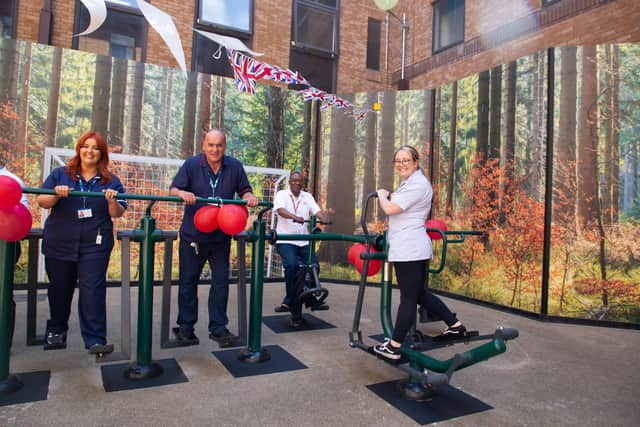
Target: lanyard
(212, 183)
(295, 205)
(89, 185)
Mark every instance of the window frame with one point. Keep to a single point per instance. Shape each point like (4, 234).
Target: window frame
(437, 25)
(75, 41)
(225, 29)
(297, 44)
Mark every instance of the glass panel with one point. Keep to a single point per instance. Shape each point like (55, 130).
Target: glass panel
(121, 35)
(315, 28)
(373, 44)
(448, 22)
(129, 3)
(235, 14)
(6, 19)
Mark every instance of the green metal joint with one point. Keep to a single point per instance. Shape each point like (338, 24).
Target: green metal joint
(478, 354)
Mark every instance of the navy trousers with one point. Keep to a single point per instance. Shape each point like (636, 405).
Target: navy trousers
(90, 277)
(191, 264)
(292, 256)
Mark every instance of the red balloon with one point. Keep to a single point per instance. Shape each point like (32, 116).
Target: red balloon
(206, 219)
(10, 192)
(374, 264)
(232, 219)
(354, 252)
(15, 223)
(437, 224)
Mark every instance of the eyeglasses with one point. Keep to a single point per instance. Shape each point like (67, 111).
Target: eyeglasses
(403, 162)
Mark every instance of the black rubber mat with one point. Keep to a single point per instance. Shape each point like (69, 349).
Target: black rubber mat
(447, 403)
(280, 323)
(281, 361)
(114, 379)
(35, 387)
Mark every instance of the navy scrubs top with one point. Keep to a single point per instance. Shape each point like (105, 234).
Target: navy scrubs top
(196, 176)
(66, 236)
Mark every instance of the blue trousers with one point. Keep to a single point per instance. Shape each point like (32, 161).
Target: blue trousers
(292, 256)
(191, 264)
(90, 277)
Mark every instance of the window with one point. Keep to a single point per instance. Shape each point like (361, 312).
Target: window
(235, 15)
(315, 25)
(123, 34)
(8, 10)
(549, 2)
(448, 24)
(373, 44)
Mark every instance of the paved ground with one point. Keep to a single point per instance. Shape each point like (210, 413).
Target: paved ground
(552, 375)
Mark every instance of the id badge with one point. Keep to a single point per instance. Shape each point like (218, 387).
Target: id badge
(99, 239)
(85, 213)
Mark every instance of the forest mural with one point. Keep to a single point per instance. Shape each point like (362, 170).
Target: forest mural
(483, 142)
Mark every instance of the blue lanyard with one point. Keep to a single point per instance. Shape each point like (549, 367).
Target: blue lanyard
(213, 184)
(89, 185)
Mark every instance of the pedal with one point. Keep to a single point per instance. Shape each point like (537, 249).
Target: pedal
(101, 350)
(54, 346)
(227, 341)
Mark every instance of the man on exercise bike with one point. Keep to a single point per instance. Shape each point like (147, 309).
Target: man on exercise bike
(293, 207)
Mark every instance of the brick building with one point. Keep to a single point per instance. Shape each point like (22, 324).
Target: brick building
(339, 45)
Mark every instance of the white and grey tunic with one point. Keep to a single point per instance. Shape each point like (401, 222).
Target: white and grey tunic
(408, 240)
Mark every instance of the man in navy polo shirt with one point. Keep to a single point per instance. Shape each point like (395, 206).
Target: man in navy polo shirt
(209, 174)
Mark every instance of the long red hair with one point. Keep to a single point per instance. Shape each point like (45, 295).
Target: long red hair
(74, 164)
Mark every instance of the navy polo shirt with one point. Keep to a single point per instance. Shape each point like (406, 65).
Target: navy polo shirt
(196, 176)
(66, 236)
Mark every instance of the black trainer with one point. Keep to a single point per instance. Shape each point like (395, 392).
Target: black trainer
(54, 341)
(451, 333)
(101, 349)
(388, 351)
(185, 337)
(282, 308)
(222, 334)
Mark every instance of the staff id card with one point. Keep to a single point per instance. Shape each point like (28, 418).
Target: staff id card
(85, 213)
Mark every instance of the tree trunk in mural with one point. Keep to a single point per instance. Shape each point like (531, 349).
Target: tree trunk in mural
(341, 194)
(9, 91)
(54, 98)
(275, 136)
(220, 93)
(135, 119)
(164, 124)
(101, 95)
(431, 151)
(370, 138)
(587, 154)
(188, 127)
(387, 145)
(305, 167)
(21, 140)
(451, 170)
(510, 121)
(495, 112)
(204, 112)
(537, 133)
(565, 170)
(482, 148)
(437, 144)
(611, 124)
(118, 98)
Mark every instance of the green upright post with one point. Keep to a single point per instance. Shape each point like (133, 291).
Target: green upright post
(254, 353)
(8, 383)
(143, 367)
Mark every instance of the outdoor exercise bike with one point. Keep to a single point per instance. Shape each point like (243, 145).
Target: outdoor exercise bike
(425, 372)
(308, 287)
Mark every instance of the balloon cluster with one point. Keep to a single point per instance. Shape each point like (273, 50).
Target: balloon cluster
(230, 219)
(436, 224)
(354, 259)
(15, 218)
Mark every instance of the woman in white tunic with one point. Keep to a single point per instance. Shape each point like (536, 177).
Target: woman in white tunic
(410, 249)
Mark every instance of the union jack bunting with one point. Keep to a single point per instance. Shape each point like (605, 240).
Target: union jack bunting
(246, 71)
(313, 94)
